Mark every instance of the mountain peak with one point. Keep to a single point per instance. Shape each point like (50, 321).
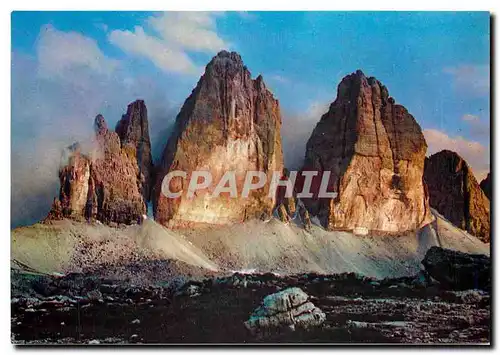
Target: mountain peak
(220, 126)
(225, 64)
(380, 148)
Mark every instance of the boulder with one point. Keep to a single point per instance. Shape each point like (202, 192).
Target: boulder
(287, 309)
(457, 270)
(455, 193)
(230, 122)
(375, 151)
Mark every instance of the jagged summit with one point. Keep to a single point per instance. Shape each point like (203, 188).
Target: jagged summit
(226, 64)
(352, 83)
(225, 56)
(133, 126)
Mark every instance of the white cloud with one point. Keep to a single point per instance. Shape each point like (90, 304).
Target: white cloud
(176, 34)
(189, 30)
(474, 153)
(59, 53)
(160, 53)
(470, 79)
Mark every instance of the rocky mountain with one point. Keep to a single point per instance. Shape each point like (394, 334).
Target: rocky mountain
(375, 151)
(486, 186)
(133, 131)
(112, 182)
(230, 122)
(455, 193)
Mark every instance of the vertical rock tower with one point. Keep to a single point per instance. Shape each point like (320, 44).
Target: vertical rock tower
(111, 183)
(133, 131)
(230, 122)
(375, 151)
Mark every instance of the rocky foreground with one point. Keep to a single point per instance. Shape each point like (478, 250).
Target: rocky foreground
(86, 308)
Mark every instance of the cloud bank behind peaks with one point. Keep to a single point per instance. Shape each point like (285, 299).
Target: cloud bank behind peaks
(56, 94)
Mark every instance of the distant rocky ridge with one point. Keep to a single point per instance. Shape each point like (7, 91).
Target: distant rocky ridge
(455, 193)
(375, 150)
(230, 122)
(486, 186)
(112, 183)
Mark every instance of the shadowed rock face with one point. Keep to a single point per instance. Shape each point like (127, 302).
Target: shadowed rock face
(105, 185)
(375, 150)
(133, 131)
(230, 122)
(455, 193)
(486, 186)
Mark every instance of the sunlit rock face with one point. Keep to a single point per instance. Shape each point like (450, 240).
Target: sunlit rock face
(103, 184)
(375, 151)
(74, 178)
(455, 193)
(115, 193)
(230, 122)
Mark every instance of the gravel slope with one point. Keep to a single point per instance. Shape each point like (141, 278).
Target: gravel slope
(68, 246)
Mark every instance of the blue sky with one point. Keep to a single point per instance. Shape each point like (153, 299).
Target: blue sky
(69, 66)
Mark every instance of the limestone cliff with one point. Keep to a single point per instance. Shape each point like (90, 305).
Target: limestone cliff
(109, 183)
(230, 122)
(133, 131)
(375, 151)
